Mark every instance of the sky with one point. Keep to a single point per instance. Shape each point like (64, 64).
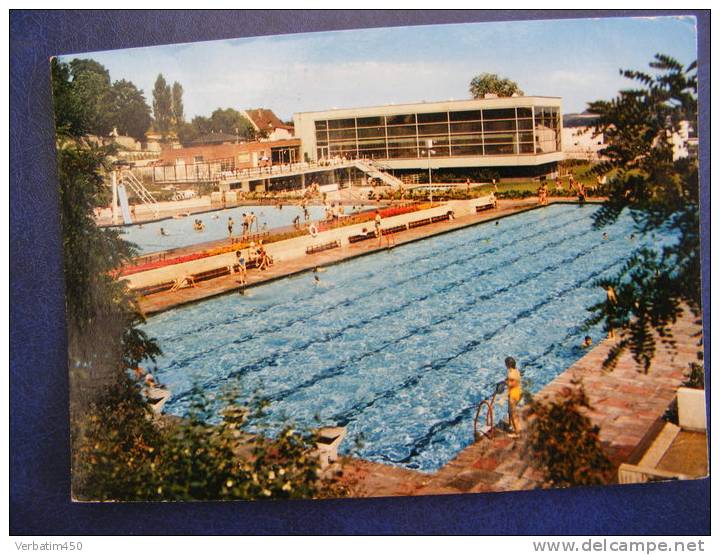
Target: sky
(577, 59)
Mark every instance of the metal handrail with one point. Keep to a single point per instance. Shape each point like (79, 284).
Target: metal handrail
(489, 428)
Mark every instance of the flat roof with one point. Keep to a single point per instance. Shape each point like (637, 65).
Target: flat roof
(428, 106)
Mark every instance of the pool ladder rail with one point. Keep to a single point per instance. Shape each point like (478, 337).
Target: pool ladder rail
(486, 407)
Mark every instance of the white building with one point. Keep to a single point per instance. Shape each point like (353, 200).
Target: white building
(508, 134)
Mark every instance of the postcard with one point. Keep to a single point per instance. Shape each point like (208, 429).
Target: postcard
(400, 261)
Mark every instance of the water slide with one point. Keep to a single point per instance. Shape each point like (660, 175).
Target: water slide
(124, 206)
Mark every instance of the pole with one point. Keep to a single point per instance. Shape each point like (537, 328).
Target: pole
(429, 145)
(430, 178)
(114, 196)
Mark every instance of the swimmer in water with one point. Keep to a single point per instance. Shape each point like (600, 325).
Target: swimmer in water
(605, 236)
(316, 277)
(162, 231)
(497, 223)
(587, 342)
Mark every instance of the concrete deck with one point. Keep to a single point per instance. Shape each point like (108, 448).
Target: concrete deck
(204, 290)
(625, 403)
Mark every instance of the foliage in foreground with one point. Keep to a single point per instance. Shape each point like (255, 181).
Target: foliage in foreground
(564, 442)
(102, 317)
(118, 451)
(126, 456)
(660, 189)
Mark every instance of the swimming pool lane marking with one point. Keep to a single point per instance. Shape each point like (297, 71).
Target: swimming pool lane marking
(371, 274)
(440, 426)
(419, 444)
(259, 364)
(469, 346)
(429, 273)
(335, 370)
(264, 361)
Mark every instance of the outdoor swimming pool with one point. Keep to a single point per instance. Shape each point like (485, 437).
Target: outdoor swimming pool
(181, 233)
(401, 345)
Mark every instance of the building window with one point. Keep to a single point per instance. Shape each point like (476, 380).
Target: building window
(243, 158)
(547, 129)
(341, 123)
(198, 159)
(439, 117)
(466, 115)
(404, 119)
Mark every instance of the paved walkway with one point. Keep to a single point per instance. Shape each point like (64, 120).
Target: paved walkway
(210, 288)
(626, 404)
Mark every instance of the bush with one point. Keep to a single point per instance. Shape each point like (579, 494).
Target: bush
(565, 444)
(126, 456)
(695, 376)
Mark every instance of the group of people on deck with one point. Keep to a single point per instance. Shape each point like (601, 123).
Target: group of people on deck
(333, 212)
(576, 187)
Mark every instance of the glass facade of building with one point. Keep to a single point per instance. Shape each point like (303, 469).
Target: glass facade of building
(488, 132)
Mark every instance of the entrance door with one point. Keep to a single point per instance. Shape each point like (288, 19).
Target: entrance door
(323, 153)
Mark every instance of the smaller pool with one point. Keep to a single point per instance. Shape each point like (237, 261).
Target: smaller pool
(180, 232)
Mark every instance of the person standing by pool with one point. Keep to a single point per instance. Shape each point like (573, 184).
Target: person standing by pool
(244, 225)
(242, 271)
(378, 227)
(514, 394)
(231, 224)
(581, 193)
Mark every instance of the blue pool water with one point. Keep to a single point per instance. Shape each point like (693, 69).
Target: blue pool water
(401, 345)
(181, 233)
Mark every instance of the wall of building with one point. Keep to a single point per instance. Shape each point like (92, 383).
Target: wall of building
(243, 155)
(580, 143)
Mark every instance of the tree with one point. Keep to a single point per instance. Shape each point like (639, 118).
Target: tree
(162, 105)
(178, 111)
(660, 190)
(130, 112)
(491, 83)
(91, 88)
(226, 120)
(188, 132)
(232, 122)
(565, 444)
(104, 339)
(69, 110)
